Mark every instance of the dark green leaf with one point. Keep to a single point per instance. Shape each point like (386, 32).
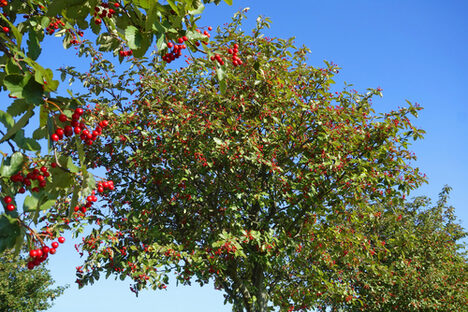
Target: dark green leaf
(34, 47)
(18, 107)
(22, 122)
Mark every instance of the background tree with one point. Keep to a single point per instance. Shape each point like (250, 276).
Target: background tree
(423, 266)
(254, 174)
(24, 290)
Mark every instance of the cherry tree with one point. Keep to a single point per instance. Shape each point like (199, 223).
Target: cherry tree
(245, 168)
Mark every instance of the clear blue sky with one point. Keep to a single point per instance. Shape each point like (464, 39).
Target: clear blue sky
(415, 50)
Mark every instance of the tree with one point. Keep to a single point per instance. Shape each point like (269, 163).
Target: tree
(24, 290)
(424, 267)
(245, 168)
(124, 28)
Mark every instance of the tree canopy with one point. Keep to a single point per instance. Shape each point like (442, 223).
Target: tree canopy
(23, 290)
(255, 175)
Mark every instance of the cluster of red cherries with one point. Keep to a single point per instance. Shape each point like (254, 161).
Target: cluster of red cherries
(177, 48)
(34, 179)
(103, 10)
(236, 61)
(125, 53)
(101, 187)
(3, 3)
(40, 255)
(78, 128)
(54, 25)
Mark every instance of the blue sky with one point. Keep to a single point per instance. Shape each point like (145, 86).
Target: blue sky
(414, 50)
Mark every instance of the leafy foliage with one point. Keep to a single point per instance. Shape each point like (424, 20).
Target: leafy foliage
(23, 290)
(259, 177)
(123, 28)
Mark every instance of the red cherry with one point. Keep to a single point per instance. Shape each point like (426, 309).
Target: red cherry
(61, 240)
(39, 253)
(77, 130)
(55, 137)
(6, 29)
(22, 190)
(53, 165)
(97, 21)
(210, 28)
(7, 199)
(63, 118)
(31, 265)
(104, 123)
(68, 130)
(33, 253)
(116, 4)
(43, 169)
(45, 249)
(180, 40)
(184, 38)
(52, 250)
(10, 207)
(236, 46)
(60, 132)
(75, 118)
(170, 45)
(79, 111)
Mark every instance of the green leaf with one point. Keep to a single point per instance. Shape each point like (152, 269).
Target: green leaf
(12, 165)
(34, 47)
(145, 4)
(144, 45)
(161, 43)
(44, 77)
(62, 178)
(31, 202)
(133, 37)
(229, 2)
(6, 119)
(40, 133)
(43, 116)
(26, 143)
(24, 87)
(47, 204)
(57, 6)
(198, 8)
(71, 166)
(74, 201)
(22, 122)
(9, 230)
(221, 79)
(18, 107)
